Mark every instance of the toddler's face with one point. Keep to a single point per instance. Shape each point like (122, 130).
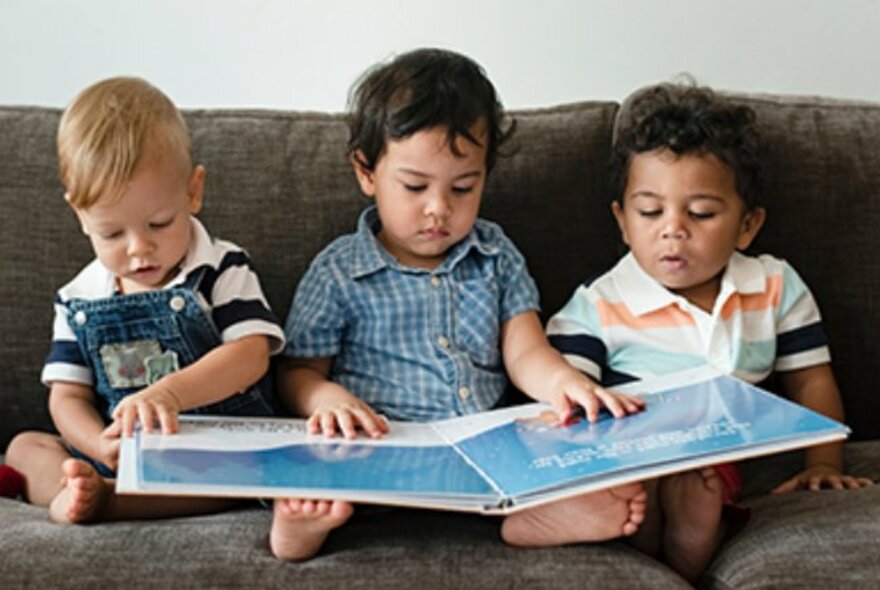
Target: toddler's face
(428, 197)
(143, 237)
(683, 218)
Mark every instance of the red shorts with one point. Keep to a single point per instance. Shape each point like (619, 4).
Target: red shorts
(734, 513)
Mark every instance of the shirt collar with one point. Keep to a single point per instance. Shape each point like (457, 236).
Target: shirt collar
(369, 255)
(200, 250)
(642, 293)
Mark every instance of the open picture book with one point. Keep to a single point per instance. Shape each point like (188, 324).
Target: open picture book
(499, 461)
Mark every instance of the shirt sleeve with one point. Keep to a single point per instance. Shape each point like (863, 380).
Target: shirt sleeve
(575, 332)
(800, 337)
(315, 323)
(65, 361)
(519, 293)
(239, 307)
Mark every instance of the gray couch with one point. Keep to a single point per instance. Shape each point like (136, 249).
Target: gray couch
(278, 184)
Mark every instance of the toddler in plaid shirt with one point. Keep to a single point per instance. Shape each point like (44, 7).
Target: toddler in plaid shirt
(426, 310)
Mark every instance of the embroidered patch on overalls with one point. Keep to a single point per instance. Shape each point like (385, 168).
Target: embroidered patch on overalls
(160, 365)
(124, 362)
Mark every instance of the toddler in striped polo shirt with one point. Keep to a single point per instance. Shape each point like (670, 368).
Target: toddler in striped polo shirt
(425, 310)
(165, 319)
(687, 165)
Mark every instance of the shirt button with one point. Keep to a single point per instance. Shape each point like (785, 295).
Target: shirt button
(79, 317)
(435, 280)
(177, 303)
(464, 393)
(443, 342)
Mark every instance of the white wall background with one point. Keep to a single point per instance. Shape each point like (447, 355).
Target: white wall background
(304, 54)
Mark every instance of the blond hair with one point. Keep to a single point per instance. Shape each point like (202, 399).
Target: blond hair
(107, 130)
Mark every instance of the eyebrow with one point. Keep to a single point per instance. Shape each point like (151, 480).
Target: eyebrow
(696, 196)
(420, 174)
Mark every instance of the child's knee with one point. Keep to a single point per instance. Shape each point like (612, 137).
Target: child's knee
(22, 447)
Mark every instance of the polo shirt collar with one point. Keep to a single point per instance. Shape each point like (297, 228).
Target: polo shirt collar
(642, 294)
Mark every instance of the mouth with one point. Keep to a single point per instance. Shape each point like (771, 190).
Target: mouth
(673, 262)
(435, 233)
(144, 270)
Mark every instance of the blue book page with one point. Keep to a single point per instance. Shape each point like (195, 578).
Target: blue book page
(206, 458)
(723, 415)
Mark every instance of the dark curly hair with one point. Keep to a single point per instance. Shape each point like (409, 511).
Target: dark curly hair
(688, 119)
(419, 90)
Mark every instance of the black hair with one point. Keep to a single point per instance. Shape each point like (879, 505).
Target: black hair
(689, 119)
(419, 90)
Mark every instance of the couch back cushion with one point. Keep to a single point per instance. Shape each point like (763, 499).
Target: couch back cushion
(278, 184)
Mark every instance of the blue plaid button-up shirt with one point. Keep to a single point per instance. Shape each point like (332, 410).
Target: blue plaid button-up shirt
(415, 344)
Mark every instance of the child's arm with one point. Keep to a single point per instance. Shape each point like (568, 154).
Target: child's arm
(226, 370)
(73, 411)
(306, 391)
(815, 388)
(539, 370)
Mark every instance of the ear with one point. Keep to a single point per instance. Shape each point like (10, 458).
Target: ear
(751, 224)
(620, 217)
(365, 176)
(196, 189)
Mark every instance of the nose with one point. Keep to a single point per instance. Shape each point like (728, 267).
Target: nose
(139, 244)
(675, 227)
(438, 205)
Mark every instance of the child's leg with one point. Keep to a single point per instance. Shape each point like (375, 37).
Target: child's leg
(76, 493)
(692, 504)
(599, 516)
(89, 497)
(299, 527)
(38, 457)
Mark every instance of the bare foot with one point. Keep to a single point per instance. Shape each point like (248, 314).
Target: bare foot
(82, 496)
(299, 527)
(692, 505)
(606, 514)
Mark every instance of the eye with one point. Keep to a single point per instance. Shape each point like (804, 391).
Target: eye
(109, 236)
(161, 224)
(701, 215)
(462, 190)
(415, 188)
(650, 212)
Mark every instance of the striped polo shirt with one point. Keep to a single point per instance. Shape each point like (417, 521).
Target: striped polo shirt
(228, 290)
(625, 325)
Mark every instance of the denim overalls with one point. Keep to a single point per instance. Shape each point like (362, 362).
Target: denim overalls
(131, 341)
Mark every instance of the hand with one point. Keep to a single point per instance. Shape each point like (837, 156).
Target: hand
(575, 390)
(108, 446)
(346, 415)
(155, 404)
(820, 477)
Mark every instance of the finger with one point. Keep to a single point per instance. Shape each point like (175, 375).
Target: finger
(369, 422)
(562, 406)
(815, 483)
(591, 404)
(346, 423)
(167, 420)
(314, 424)
(129, 417)
(147, 416)
(835, 482)
(328, 424)
(113, 430)
(632, 403)
(864, 482)
(611, 401)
